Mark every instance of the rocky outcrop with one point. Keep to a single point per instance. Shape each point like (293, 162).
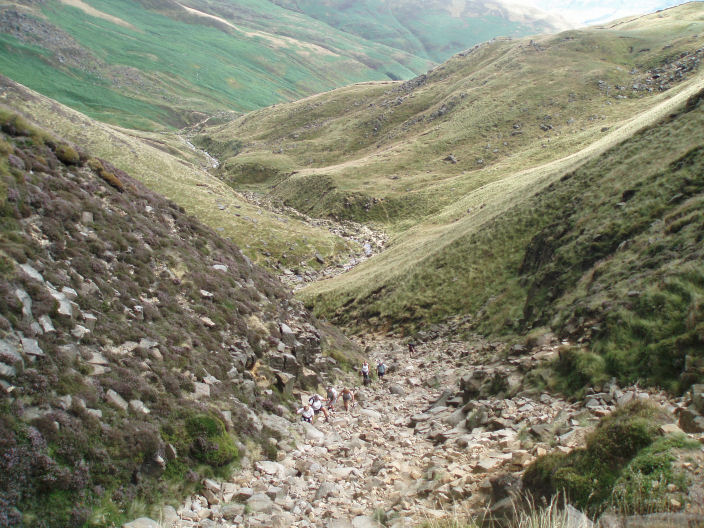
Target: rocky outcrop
(133, 340)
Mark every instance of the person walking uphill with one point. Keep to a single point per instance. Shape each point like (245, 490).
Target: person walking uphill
(332, 398)
(306, 413)
(365, 373)
(381, 369)
(316, 403)
(347, 397)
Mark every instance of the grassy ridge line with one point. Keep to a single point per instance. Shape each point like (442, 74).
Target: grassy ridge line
(179, 180)
(419, 243)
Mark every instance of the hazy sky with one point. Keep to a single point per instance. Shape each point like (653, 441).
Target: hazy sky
(586, 12)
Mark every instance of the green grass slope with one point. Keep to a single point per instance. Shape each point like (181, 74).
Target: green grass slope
(431, 29)
(464, 232)
(610, 253)
(380, 152)
(156, 63)
(167, 166)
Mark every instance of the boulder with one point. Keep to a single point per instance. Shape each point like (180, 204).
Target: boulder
(26, 301)
(117, 401)
(325, 490)
(312, 433)
(576, 519)
(691, 421)
(260, 503)
(9, 353)
(271, 468)
(230, 512)
(31, 347)
(655, 520)
(698, 397)
(142, 522)
(365, 521)
(287, 335)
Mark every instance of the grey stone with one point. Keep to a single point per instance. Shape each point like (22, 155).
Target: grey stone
(691, 421)
(147, 343)
(117, 401)
(168, 516)
(31, 347)
(339, 523)
(260, 502)
(365, 521)
(95, 413)
(138, 407)
(371, 414)
(65, 306)
(142, 522)
(47, 324)
(220, 267)
(9, 353)
(243, 494)
(276, 423)
(26, 301)
(6, 371)
(325, 490)
(698, 397)
(89, 319)
(70, 293)
(79, 332)
(202, 390)
(86, 217)
(396, 389)
(34, 274)
(271, 468)
(312, 433)
(287, 335)
(576, 519)
(230, 512)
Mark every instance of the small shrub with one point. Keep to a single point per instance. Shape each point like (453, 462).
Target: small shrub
(67, 154)
(588, 476)
(211, 444)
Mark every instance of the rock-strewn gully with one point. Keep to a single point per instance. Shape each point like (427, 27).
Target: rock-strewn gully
(421, 443)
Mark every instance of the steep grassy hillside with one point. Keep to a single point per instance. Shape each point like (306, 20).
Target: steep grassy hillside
(160, 62)
(139, 351)
(399, 153)
(467, 168)
(152, 63)
(167, 166)
(432, 29)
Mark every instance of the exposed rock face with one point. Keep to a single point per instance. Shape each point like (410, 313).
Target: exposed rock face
(126, 322)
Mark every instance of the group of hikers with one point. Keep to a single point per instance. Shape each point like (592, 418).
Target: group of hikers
(317, 404)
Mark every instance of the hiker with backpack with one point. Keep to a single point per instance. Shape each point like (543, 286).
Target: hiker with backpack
(316, 403)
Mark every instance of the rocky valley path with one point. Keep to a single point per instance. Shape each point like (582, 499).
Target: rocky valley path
(424, 443)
